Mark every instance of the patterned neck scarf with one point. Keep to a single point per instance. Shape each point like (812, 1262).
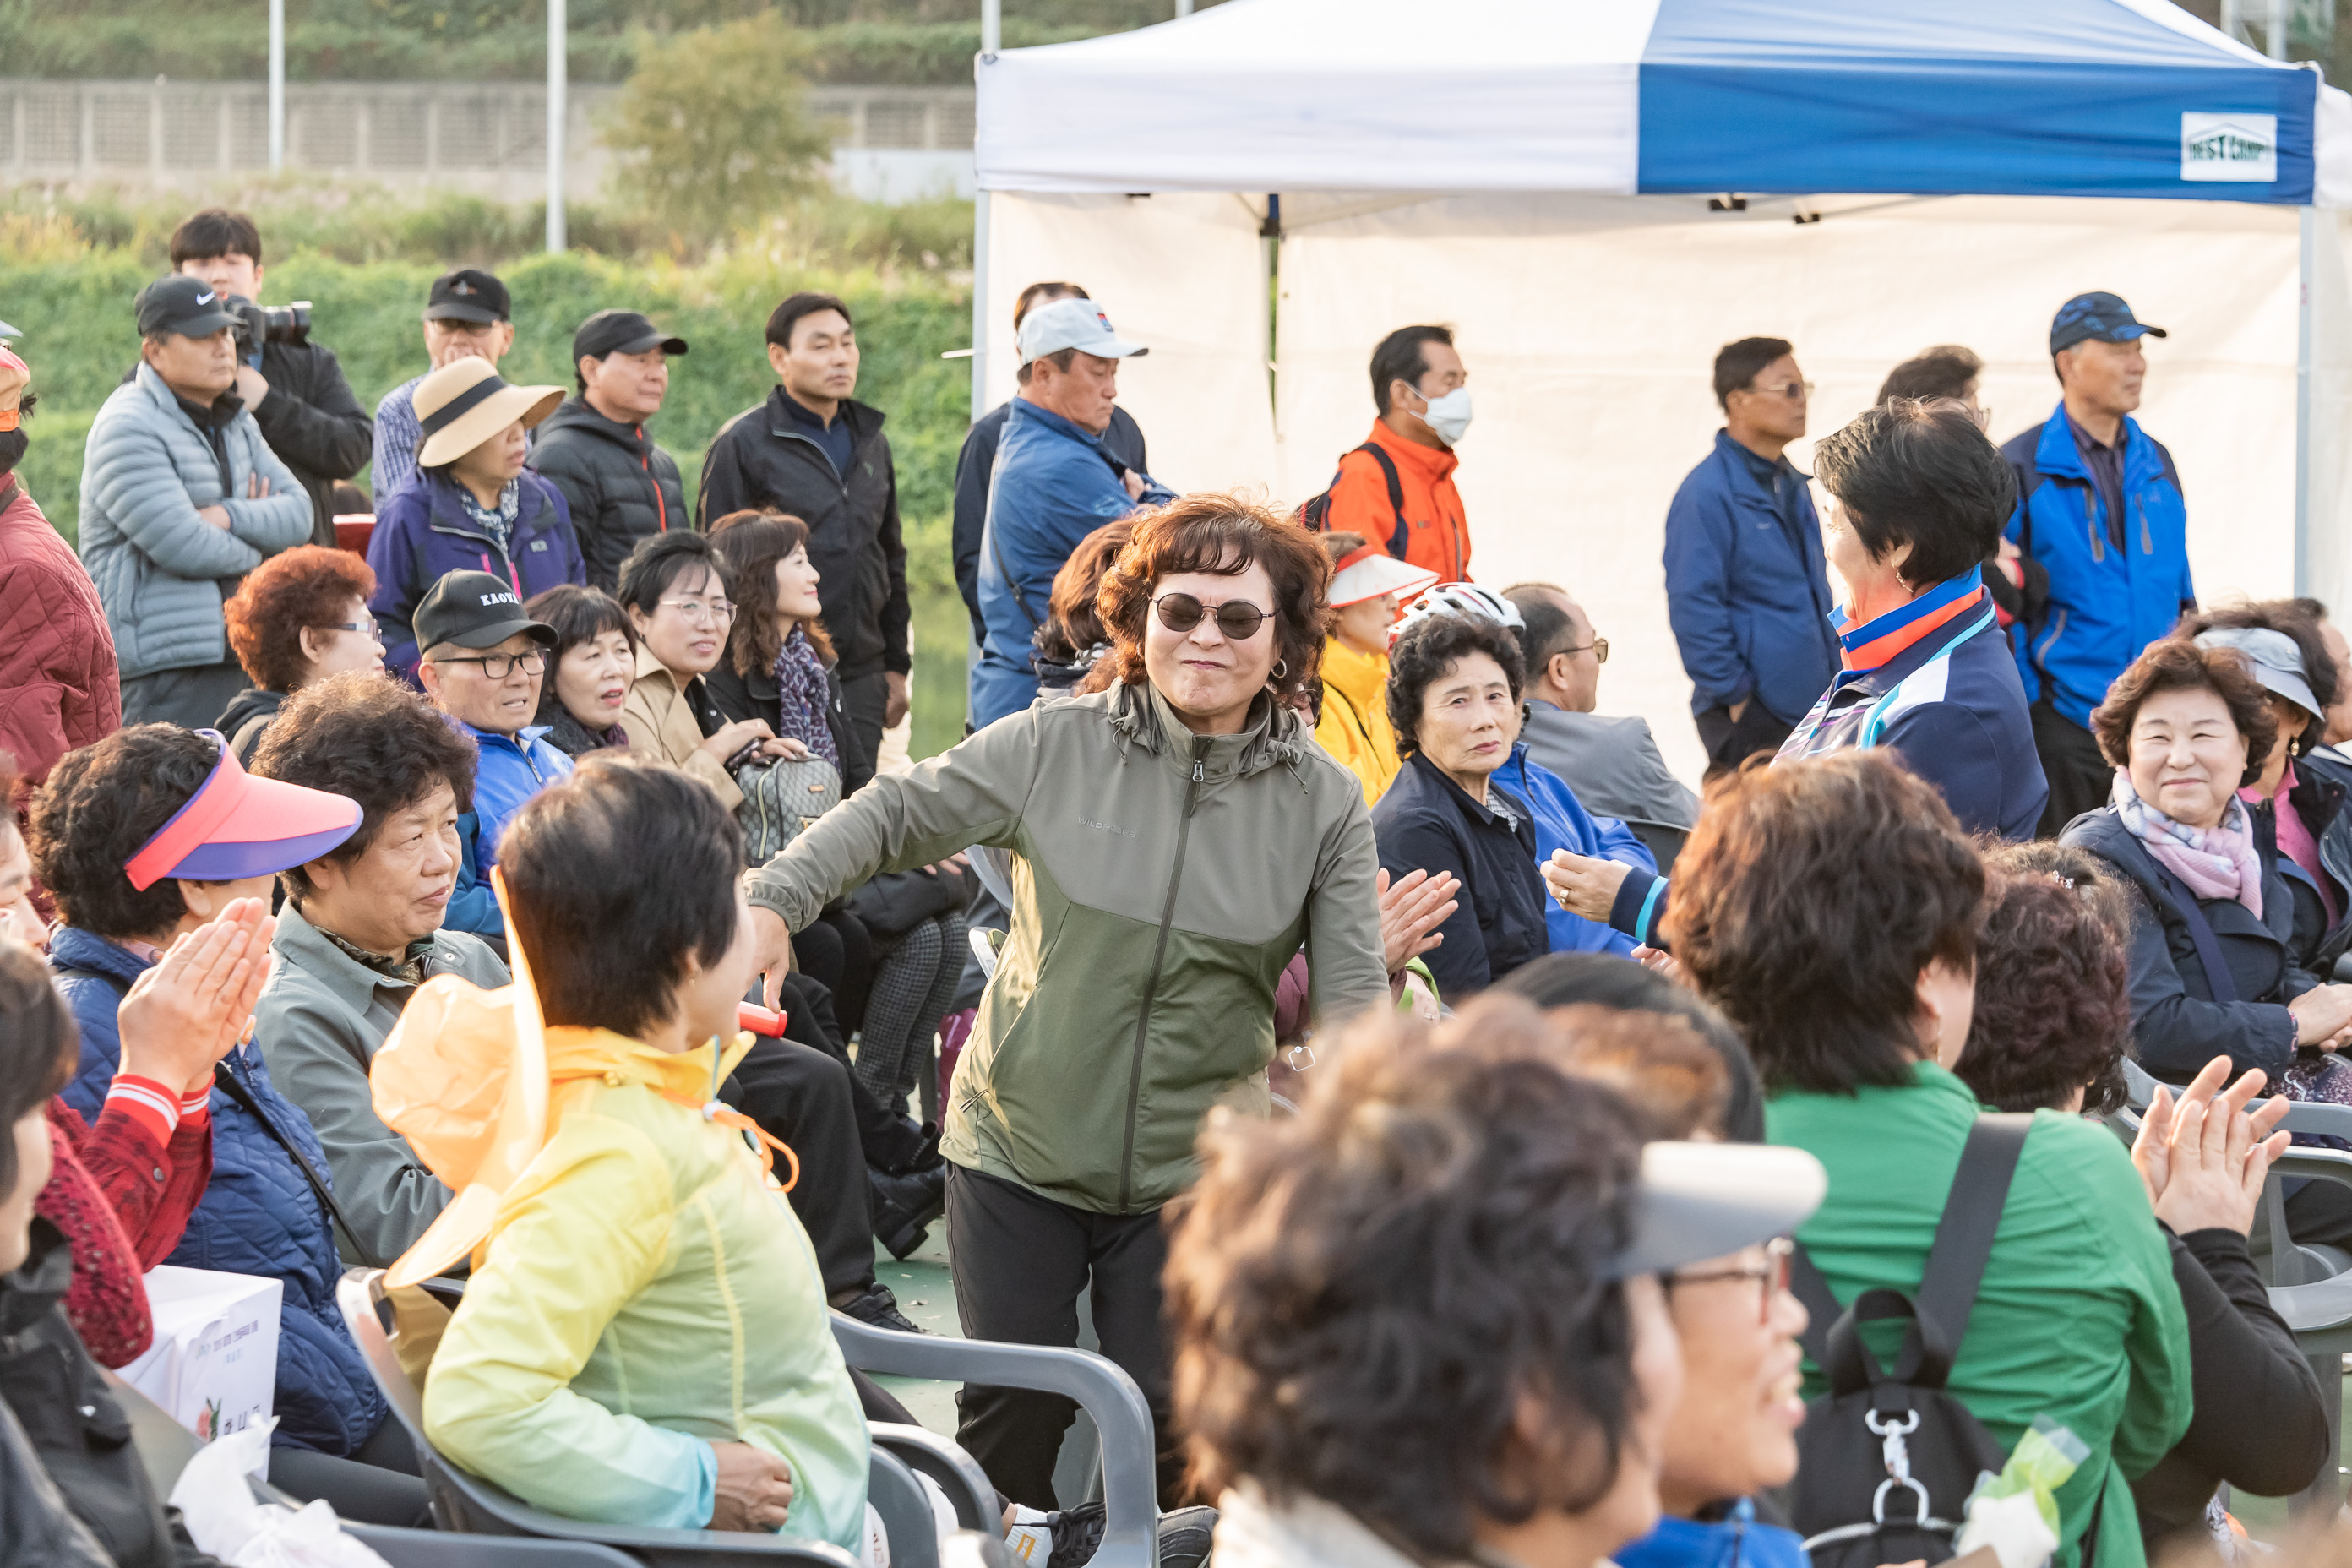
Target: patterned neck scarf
(499, 522)
(2216, 862)
(802, 697)
(409, 968)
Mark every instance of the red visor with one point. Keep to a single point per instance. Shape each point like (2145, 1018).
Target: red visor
(237, 825)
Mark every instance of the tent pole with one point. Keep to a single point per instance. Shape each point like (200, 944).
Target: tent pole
(2306, 267)
(992, 38)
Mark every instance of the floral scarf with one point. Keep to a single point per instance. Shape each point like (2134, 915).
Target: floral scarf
(498, 522)
(2216, 862)
(802, 697)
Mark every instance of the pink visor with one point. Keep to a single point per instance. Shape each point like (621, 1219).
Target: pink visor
(237, 825)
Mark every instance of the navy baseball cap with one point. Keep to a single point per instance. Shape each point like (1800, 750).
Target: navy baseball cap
(469, 294)
(2102, 316)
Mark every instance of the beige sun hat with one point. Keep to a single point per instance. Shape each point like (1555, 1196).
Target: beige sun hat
(464, 402)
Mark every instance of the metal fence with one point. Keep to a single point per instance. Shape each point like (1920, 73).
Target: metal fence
(487, 137)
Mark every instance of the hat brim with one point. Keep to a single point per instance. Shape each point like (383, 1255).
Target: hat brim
(262, 828)
(1371, 578)
(661, 341)
(487, 418)
(1698, 1201)
(2292, 686)
(451, 310)
(480, 637)
(8, 331)
(1118, 348)
(202, 326)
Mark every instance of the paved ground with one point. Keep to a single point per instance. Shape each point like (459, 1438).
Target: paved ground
(924, 1294)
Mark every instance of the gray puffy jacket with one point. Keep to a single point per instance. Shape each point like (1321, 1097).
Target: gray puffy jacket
(161, 570)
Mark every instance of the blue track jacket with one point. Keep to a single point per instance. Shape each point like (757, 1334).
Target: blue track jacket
(512, 769)
(2106, 605)
(1747, 597)
(1562, 822)
(1054, 485)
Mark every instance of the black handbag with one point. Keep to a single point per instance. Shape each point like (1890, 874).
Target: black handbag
(896, 902)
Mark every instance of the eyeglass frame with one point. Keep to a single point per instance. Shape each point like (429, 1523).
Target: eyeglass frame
(719, 610)
(1805, 390)
(1778, 1254)
(368, 627)
(1597, 646)
(512, 659)
(1212, 613)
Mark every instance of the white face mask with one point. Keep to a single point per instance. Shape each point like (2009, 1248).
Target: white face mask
(1448, 416)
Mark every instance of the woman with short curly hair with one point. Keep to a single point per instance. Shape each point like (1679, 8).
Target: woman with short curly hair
(297, 617)
(1177, 839)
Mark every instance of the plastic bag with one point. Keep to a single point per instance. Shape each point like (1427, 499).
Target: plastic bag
(2015, 1513)
(223, 1518)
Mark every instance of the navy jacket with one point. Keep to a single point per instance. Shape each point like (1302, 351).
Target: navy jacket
(2178, 1025)
(1747, 597)
(2106, 605)
(259, 1215)
(422, 534)
(1426, 821)
(976, 465)
(1949, 702)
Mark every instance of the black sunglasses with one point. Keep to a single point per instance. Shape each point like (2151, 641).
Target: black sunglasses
(1236, 618)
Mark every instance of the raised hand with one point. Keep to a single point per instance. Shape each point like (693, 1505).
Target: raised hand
(192, 1008)
(1412, 908)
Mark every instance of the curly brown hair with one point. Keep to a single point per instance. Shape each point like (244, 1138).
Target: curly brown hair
(308, 585)
(2178, 665)
(1073, 624)
(1222, 534)
(1806, 903)
(750, 543)
(2054, 1004)
(1373, 1288)
(98, 806)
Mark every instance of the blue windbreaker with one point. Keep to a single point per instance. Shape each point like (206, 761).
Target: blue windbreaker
(1747, 597)
(2106, 605)
(1054, 485)
(1562, 822)
(512, 769)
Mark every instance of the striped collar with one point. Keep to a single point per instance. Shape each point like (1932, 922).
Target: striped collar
(1878, 641)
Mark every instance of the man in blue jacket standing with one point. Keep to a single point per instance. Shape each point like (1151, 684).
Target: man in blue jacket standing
(2099, 505)
(1054, 483)
(1746, 592)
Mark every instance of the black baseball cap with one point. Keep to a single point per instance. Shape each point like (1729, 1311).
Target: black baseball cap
(474, 609)
(621, 333)
(469, 294)
(2102, 316)
(188, 306)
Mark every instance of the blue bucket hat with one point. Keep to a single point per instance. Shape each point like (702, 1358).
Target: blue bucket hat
(2102, 316)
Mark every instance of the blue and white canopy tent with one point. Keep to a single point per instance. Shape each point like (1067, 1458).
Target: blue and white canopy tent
(1597, 195)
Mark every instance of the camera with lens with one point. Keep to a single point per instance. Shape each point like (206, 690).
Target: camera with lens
(259, 324)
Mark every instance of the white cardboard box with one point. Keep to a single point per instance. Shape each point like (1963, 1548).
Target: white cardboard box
(213, 1365)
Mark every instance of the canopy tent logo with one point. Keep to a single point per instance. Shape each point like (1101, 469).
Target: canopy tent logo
(2230, 147)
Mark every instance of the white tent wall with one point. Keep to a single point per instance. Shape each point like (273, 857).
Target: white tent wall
(1184, 275)
(2328, 543)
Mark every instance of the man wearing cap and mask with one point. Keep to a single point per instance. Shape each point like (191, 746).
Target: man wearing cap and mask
(619, 485)
(58, 685)
(1054, 483)
(466, 315)
(1397, 488)
(180, 497)
(472, 506)
(2099, 506)
(484, 662)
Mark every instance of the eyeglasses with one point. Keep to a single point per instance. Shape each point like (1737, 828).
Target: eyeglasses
(1771, 1276)
(717, 610)
(1238, 619)
(367, 627)
(1599, 647)
(1794, 391)
(498, 665)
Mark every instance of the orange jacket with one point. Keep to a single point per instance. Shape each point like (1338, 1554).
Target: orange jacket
(1437, 536)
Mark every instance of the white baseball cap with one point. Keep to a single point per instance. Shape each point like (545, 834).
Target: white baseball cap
(1698, 1201)
(1369, 572)
(1078, 324)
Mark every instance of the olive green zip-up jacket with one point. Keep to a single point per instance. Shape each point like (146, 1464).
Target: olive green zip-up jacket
(1160, 881)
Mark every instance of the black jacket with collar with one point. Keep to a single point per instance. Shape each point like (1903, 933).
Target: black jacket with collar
(2177, 1025)
(620, 486)
(762, 458)
(1427, 822)
(81, 1434)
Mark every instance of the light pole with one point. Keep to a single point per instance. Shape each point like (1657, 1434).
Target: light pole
(992, 38)
(556, 119)
(277, 85)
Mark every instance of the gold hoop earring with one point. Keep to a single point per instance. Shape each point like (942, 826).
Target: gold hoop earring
(1281, 669)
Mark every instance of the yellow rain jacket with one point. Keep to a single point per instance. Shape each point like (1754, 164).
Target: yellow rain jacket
(645, 1292)
(1355, 724)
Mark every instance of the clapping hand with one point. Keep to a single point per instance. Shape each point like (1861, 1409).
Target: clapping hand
(2203, 1158)
(192, 1007)
(1412, 908)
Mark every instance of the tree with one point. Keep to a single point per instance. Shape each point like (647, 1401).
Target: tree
(711, 128)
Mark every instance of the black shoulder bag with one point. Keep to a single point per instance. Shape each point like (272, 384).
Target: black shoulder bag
(1886, 1460)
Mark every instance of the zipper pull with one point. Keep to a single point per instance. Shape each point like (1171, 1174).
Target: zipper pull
(1198, 776)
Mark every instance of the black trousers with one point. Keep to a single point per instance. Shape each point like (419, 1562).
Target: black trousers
(837, 953)
(890, 1142)
(800, 1094)
(864, 701)
(2081, 777)
(1021, 1260)
(1730, 742)
(378, 1483)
